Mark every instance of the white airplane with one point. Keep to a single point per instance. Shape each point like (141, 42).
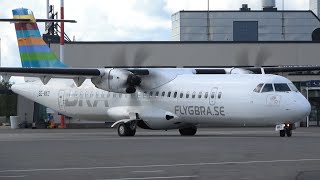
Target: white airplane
(155, 98)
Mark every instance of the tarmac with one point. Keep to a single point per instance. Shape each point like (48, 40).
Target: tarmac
(215, 153)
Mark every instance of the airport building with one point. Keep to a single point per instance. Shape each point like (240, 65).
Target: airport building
(269, 24)
(268, 37)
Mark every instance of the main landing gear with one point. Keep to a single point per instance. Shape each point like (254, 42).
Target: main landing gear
(127, 129)
(285, 129)
(190, 131)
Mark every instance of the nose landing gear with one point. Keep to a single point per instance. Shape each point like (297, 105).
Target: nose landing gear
(285, 129)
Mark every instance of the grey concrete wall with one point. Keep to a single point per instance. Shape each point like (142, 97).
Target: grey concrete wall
(190, 54)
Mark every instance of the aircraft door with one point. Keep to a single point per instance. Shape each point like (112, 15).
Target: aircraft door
(61, 100)
(213, 96)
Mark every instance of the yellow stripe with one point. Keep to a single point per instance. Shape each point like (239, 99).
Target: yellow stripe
(29, 16)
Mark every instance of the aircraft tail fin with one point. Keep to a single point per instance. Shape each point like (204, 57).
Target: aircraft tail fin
(34, 52)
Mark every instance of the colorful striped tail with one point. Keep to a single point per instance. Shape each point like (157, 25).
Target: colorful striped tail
(34, 52)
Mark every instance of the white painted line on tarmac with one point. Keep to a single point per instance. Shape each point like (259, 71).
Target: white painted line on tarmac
(12, 176)
(160, 165)
(155, 171)
(167, 177)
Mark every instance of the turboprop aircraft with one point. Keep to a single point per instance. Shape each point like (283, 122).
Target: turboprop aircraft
(155, 98)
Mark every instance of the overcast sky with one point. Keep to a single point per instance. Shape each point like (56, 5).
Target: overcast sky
(116, 20)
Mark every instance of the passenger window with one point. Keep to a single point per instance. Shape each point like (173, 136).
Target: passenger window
(91, 94)
(267, 88)
(145, 94)
(81, 94)
(157, 93)
(120, 95)
(206, 95)
(169, 94)
(219, 95)
(87, 94)
(212, 95)
(193, 94)
(258, 88)
(281, 87)
(108, 95)
(293, 87)
(97, 94)
(175, 94)
(163, 94)
(114, 95)
(151, 94)
(181, 95)
(187, 95)
(200, 94)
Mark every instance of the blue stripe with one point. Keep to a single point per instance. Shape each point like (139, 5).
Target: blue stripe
(21, 11)
(44, 64)
(28, 33)
(34, 49)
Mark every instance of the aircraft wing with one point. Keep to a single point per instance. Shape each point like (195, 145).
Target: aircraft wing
(71, 73)
(45, 74)
(280, 69)
(53, 72)
(131, 77)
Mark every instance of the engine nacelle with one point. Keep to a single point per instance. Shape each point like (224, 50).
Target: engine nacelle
(238, 71)
(117, 80)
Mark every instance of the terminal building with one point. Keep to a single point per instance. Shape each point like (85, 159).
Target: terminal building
(268, 24)
(267, 37)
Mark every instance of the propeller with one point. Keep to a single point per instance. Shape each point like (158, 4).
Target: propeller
(262, 57)
(140, 56)
(243, 58)
(119, 58)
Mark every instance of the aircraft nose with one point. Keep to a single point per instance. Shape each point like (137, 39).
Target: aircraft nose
(301, 108)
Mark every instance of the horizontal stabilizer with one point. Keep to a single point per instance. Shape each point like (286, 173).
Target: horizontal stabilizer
(15, 20)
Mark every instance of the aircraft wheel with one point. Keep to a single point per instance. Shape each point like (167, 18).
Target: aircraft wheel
(132, 132)
(125, 130)
(289, 132)
(282, 133)
(191, 131)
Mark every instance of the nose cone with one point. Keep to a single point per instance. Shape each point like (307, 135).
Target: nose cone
(300, 108)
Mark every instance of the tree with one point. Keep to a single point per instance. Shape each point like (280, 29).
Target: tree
(8, 100)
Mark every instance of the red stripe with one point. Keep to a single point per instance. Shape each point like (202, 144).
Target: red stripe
(26, 26)
(62, 23)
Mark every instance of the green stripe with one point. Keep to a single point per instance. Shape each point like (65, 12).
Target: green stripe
(38, 56)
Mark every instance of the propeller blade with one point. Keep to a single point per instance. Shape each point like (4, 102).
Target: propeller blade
(243, 58)
(140, 57)
(262, 57)
(119, 58)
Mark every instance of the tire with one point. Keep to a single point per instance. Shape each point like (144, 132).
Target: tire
(191, 131)
(125, 130)
(289, 132)
(282, 133)
(132, 132)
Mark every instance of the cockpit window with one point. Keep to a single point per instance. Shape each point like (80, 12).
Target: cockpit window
(281, 87)
(267, 88)
(258, 88)
(293, 87)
